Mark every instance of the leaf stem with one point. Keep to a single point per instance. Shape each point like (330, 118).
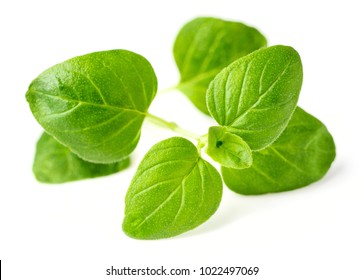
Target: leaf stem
(172, 126)
(202, 141)
(168, 89)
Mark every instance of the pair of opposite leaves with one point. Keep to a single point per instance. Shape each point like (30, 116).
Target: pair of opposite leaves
(95, 105)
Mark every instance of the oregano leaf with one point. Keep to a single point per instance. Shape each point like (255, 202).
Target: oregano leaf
(228, 149)
(204, 46)
(255, 96)
(95, 104)
(174, 190)
(301, 155)
(55, 163)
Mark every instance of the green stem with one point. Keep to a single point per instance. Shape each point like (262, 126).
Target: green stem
(202, 143)
(172, 126)
(168, 89)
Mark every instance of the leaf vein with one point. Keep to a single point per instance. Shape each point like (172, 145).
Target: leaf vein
(58, 114)
(158, 164)
(89, 103)
(287, 160)
(262, 95)
(211, 50)
(100, 124)
(143, 86)
(118, 131)
(122, 83)
(191, 47)
(94, 85)
(202, 189)
(243, 85)
(154, 185)
(264, 174)
(167, 199)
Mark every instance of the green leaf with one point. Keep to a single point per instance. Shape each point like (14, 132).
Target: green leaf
(55, 163)
(301, 155)
(95, 104)
(204, 46)
(228, 149)
(255, 96)
(174, 190)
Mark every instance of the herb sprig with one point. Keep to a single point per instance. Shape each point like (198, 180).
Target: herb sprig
(92, 108)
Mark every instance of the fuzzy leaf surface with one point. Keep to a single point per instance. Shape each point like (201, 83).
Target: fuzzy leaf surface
(301, 155)
(95, 104)
(228, 149)
(174, 190)
(204, 46)
(255, 96)
(55, 163)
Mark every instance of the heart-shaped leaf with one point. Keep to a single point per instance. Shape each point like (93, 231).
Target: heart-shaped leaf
(255, 96)
(204, 46)
(173, 191)
(301, 155)
(95, 104)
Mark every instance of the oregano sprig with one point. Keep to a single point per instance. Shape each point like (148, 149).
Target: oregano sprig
(92, 108)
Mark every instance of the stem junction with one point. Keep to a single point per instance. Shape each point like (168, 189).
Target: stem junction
(201, 140)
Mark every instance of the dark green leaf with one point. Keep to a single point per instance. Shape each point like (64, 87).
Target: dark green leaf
(301, 155)
(255, 96)
(55, 163)
(204, 46)
(228, 149)
(174, 190)
(95, 104)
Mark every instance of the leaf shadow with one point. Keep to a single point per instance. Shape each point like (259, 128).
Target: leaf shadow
(230, 211)
(336, 170)
(235, 207)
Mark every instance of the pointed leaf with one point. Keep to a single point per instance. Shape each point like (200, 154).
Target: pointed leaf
(228, 149)
(174, 190)
(55, 163)
(255, 96)
(95, 104)
(301, 155)
(204, 46)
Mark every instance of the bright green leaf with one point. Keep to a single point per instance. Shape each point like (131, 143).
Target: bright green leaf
(55, 163)
(301, 155)
(228, 149)
(204, 46)
(255, 96)
(95, 104)
(174, 190)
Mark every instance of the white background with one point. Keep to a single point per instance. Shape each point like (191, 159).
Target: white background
(73, 231)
